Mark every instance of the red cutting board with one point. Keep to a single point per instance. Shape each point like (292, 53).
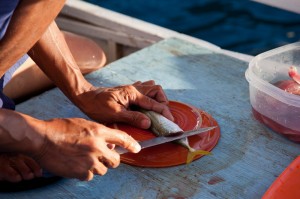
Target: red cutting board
(172, 154)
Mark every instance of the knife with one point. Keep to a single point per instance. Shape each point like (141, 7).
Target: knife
(164, 139)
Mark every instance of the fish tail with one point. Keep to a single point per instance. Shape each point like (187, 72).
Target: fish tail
(192, 154)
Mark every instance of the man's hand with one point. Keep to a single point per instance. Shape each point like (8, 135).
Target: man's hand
(18, 167)
(109, 105)
(106, 105)
(72, 147)
(77, 148)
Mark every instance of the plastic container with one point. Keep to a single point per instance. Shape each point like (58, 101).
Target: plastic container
(271, 105)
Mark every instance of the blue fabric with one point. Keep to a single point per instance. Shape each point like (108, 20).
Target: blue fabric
(7, 8)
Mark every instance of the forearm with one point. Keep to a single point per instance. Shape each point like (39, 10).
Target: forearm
(53, 56)
(18, 133)
(29, 22)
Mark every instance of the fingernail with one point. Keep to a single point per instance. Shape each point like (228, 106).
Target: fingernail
(137, 148)
(145, 123)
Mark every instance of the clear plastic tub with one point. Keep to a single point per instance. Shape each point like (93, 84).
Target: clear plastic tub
(271, 105)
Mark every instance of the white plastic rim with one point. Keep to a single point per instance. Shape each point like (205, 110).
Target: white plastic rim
(266, 87)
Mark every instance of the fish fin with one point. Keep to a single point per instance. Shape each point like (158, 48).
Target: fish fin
(192, 154)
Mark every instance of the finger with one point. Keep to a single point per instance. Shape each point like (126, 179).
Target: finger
(135, 118)
(34, 166)
(9, 174)
(149, 89)
(99, 168)
(136, 83)
(110, 159)
(120, 138)
(150, 104)
(148, 83)
(158, 94)
(88, 176)
(22, 168)
(155, 92)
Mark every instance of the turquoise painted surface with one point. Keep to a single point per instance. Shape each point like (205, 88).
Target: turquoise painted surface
(245, 162)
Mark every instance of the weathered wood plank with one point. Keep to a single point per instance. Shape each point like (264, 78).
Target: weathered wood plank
(120, 23)
(247, 159)
(89, 30)
(93, 21)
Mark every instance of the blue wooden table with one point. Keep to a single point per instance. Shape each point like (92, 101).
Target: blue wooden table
(245, 162)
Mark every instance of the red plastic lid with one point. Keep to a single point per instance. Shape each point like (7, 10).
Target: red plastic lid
(171, 154)
(287, 184)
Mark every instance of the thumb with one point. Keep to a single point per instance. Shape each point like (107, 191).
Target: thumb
(136, 119)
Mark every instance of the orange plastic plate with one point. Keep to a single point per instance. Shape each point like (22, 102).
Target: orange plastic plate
(172, 154)
(287, 184)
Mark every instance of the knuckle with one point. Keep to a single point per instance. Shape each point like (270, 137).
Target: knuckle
(125, 140)
(122, 137)
(135, 118)
(128, 142)
(92, 145)
(113, 161)
(158, 87)
(151, 82)
(137, 82)
(130, 89)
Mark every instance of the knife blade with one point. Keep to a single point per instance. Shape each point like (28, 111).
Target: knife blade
(164, 139)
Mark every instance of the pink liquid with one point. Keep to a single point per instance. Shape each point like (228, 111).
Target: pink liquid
(283, 130)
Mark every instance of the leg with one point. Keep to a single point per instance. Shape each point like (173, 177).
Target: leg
(29, 80)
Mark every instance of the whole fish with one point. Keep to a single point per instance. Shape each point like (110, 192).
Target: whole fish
(161, 126)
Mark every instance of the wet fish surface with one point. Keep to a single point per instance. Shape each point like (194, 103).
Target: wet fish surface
(161, 126)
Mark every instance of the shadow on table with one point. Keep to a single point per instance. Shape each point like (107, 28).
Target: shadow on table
(28, 184)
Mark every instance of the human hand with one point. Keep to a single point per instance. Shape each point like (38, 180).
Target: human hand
(78, 148)
(108, 105)
(17, 167)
